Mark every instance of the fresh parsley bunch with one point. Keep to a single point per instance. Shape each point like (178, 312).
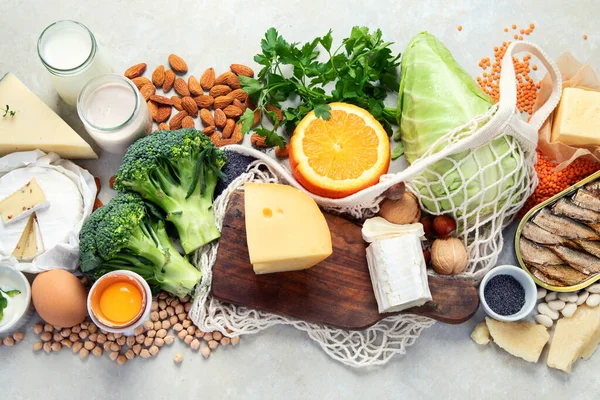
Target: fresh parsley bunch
(363, 70)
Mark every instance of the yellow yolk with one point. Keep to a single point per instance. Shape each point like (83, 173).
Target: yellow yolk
(121, 302)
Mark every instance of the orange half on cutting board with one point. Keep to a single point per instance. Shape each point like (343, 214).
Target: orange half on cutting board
(341, 156)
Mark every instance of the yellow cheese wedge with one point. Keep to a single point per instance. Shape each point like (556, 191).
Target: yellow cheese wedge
(521, 339)
(481, 334)
(575, 337)
(19, 250)
(30, 244)
(285, 229)
(577, 121)
(21, 201)
(35, 125)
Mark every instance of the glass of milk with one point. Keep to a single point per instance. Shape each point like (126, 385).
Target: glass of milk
(113, 112)
(70, 53)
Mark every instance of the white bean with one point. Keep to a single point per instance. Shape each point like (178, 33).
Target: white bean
(544, 309)
(544, 320)
(583, 295)
(541, 293)
(556, 305)
(568, 297)
(595, 288)
(569, 310)
(551, 296)
(593, 300)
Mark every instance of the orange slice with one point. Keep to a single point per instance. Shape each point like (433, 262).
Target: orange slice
(341, 156)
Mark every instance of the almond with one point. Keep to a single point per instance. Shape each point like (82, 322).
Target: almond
(140, 81)
(222, 101)
(215, 137)
(177, 102)
(240, 69)
(258, 141)
(147, 91)
(282, 153)
(220, 90)
(190, 106)
(181, 87)
(187, 122)
(207, 80)
(228, 78)
(164, 112)
(194, 86)
(220, 118)
(177, 119)
(153, 107)
(204, 101)
(237, 136)
(209, 131)
(238, 94)
(228, 129)
(135, 70)
(163, 126)
(158, 76)
(232, 111)
(206, 118)
(161, 99)
(239, 105)
(169, 81)
(178, 64)
(277, 112)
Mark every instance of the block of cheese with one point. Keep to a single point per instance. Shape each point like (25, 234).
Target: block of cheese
(577, 120)
(521, 339)
(285, 229)
(35, 125)
(23, 202)
(30, 244)
(481, 334)
(575, 337)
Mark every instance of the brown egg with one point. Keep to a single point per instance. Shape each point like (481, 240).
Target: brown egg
(60, 298)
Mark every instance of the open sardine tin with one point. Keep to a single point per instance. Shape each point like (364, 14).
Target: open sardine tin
(532, 213)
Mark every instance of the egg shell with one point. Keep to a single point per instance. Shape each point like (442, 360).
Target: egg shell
(60, 298)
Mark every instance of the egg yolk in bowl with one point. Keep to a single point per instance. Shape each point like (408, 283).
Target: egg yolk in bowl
(120, 302)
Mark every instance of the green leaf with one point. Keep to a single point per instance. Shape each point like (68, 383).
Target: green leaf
(327, 40)
(250, 85)
(3, 304)
(13, 293)
(273, 139)
(322, 111)
(398, 151)
(247, 120)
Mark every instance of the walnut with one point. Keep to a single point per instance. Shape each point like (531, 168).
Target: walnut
(403, 211)
(449, 256)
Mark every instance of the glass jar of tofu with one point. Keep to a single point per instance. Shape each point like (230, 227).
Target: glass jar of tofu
(558, 241)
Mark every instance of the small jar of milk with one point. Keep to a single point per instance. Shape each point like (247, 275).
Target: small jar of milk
(113, 112)
(69, 51)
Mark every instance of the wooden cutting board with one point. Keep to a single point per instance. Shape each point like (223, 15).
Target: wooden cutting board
(335, 292)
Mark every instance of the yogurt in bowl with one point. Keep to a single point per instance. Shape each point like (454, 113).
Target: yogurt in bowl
(15, 304)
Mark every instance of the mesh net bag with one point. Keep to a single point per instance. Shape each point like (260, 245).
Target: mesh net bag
(481, 205)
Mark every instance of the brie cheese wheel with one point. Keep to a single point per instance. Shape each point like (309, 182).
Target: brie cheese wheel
(65, 207)
(398, 273)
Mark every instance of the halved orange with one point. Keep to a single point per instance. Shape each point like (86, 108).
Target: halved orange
(340, 156)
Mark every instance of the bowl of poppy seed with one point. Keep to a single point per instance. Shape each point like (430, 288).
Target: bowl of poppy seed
(507, 293)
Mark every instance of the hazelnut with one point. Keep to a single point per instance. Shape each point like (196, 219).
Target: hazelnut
(403, 211)
(448, 256)
(444, 226)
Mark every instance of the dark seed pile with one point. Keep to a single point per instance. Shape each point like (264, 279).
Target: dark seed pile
(235, 166)
(504, 295)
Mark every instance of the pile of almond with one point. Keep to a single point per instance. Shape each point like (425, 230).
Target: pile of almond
(218, 101)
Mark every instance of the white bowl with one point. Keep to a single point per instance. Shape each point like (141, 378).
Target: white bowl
(524, 279)
(23, 309)
(128, 330)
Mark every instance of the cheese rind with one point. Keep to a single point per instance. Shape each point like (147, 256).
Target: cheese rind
(35, 125)
(577, 120)
(521, 339)
(23, 202)
(285, 229)
(574, 338)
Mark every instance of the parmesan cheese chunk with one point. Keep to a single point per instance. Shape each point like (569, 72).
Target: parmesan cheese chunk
(521, 339)
(481, 334)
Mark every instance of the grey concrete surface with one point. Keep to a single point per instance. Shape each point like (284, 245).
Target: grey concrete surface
(283, 363)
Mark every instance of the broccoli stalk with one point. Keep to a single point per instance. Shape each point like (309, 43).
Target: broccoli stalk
(123, 235)
(177, 171)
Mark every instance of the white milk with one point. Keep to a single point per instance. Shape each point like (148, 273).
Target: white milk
(113, 112)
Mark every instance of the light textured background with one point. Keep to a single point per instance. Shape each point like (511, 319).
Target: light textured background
(282, 362)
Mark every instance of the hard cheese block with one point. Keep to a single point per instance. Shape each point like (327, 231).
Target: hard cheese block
(577, 121)
(521, 339)
(285, 229)
(481, 334)
(575, 337)
(27, 198)
(35, 125)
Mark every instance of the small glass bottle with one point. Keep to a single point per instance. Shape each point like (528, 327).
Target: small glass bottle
(113, 112)
(69, 51)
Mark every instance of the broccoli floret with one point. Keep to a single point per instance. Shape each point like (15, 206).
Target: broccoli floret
(177, 171)
(126, 234)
